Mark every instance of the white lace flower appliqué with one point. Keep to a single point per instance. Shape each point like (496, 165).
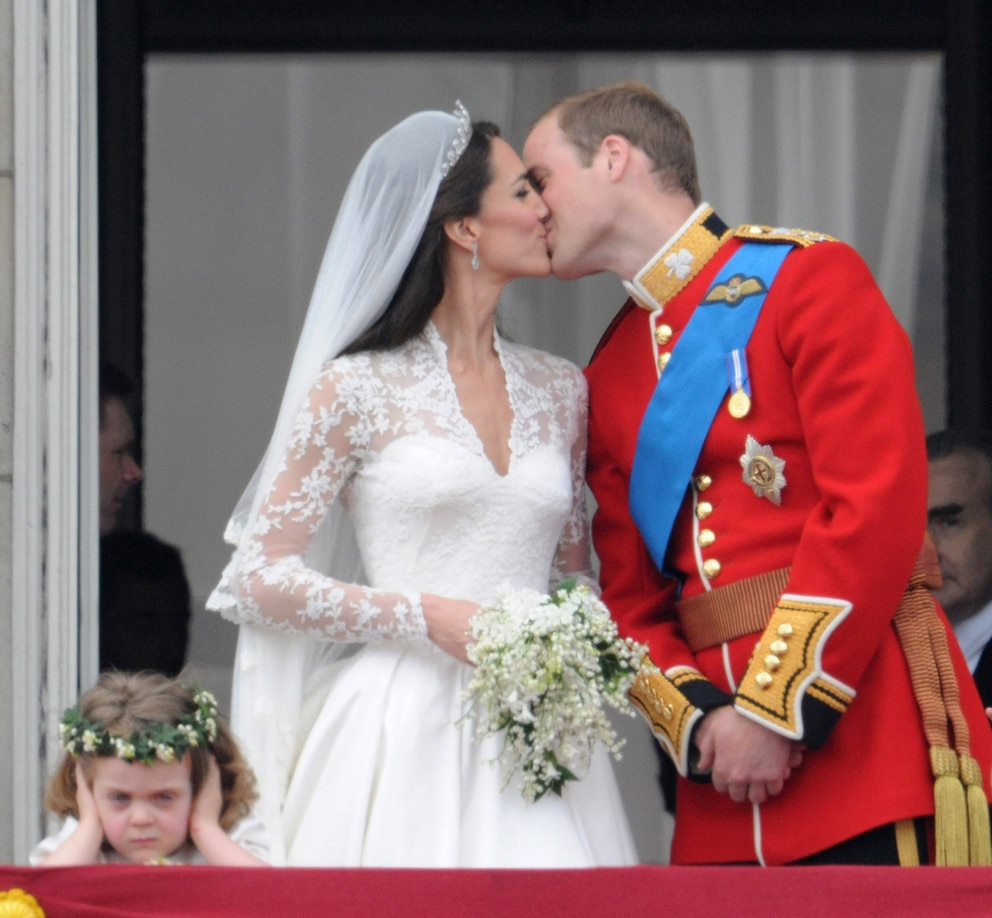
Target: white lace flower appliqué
(763, 471)
(679, 263)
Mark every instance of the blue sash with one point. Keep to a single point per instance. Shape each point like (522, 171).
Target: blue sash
(690, 390)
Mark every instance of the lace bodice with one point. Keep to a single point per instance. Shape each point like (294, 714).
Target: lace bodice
(385, 434)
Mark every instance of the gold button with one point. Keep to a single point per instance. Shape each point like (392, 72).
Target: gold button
(778, 647)
(785, 630)
(703, 509)
(663, 334)
(663, 360)
(706, 538)
(772, 662)
(711, 568)
(668, 711)
(764, 680)
(703, 482)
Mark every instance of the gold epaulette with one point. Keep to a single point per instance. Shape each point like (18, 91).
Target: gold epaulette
(800, 237)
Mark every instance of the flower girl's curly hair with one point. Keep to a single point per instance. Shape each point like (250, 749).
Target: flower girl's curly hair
(124, 704)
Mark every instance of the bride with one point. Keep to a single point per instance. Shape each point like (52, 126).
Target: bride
(420, 462)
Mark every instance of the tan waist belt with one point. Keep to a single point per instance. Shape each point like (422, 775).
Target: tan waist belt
(732, 610)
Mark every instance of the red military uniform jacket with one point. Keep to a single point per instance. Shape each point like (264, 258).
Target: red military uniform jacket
(833, 409)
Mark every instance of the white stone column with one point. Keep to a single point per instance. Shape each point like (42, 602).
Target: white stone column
(53, 355)
(7, 752)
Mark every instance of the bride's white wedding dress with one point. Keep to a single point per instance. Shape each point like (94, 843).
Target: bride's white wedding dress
(385, 775)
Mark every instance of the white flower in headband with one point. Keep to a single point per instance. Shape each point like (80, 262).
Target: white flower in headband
(460, 142)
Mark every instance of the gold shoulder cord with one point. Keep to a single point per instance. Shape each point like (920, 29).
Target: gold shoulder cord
(961, 811)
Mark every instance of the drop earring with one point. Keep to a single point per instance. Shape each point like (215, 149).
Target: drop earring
(475, 255)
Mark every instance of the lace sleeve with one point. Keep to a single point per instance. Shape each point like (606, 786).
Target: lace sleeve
(275, 585)
(572, 557)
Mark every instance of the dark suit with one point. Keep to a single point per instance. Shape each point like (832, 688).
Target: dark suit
(983, 675)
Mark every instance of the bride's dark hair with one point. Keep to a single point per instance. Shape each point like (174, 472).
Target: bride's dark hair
(422, 284)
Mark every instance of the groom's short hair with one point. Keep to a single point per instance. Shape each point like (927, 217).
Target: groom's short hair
(648, 121)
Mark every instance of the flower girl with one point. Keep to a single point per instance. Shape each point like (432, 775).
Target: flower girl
(150, 775)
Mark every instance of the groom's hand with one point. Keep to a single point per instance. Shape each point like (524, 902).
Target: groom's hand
(747, 761)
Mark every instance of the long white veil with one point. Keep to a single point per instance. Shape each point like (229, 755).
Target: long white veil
(379, 223)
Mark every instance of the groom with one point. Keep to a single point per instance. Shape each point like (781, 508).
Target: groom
(757, 453)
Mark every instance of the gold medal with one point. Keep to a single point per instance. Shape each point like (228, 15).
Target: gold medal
(739, 404)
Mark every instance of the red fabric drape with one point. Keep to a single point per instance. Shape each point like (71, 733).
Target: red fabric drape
(681, 892)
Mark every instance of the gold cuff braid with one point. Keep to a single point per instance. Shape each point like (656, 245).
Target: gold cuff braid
(787, 664)
(669, 713)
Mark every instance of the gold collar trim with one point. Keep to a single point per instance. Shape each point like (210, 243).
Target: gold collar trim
(679, 261)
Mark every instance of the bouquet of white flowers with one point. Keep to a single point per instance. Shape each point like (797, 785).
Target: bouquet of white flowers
(546, 666)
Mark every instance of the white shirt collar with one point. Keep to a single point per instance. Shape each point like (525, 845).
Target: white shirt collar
(973, 634)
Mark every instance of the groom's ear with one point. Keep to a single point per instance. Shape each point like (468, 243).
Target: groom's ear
(614, 155)
(462, 233)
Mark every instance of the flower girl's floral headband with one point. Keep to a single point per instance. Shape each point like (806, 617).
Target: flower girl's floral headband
(158, 742)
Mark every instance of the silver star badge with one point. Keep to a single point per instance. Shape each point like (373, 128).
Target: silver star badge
(763, 471)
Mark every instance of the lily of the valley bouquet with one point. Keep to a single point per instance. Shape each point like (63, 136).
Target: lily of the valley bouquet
(546, 669)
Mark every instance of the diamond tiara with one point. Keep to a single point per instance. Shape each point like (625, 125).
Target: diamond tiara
(461, 139)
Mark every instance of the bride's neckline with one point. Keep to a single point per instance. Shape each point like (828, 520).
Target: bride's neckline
(440, 348)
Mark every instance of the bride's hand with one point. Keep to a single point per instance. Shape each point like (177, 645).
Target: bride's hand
(448, 623)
